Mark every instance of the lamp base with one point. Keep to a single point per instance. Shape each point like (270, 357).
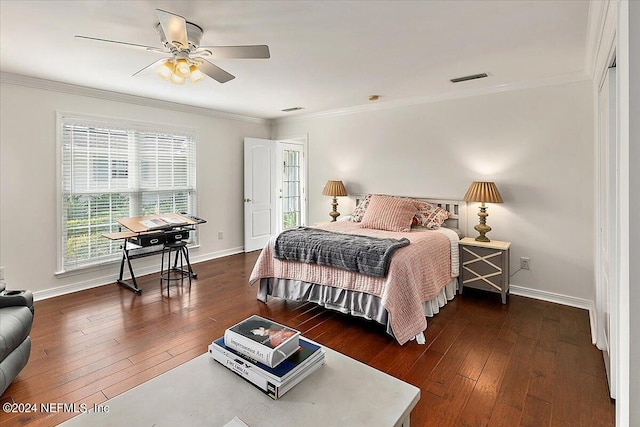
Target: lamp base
(482, 228)
(334, 214)
(482, 238)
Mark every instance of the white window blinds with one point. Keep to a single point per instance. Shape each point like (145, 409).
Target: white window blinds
(111, 171)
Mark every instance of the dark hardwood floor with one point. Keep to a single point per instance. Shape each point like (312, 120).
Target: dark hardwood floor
(526, 363)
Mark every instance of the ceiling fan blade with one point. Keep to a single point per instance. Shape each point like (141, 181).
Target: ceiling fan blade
(137, 46)
(215, 72)
(248, 52)
(152, 65)
(174, 28)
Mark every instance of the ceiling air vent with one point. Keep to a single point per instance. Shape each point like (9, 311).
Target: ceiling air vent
(288, 110)
(465, 78)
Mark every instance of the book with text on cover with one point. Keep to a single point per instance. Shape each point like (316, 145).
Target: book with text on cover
(288, 368)
(274, 389)
(262, 340)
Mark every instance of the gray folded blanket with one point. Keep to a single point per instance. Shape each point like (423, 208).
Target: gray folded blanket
(360, 254)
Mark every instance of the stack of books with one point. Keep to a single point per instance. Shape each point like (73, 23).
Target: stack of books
(269, 355)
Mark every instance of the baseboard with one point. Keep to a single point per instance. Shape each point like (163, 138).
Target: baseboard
(110, 279)
(214, 255)
(559, 299)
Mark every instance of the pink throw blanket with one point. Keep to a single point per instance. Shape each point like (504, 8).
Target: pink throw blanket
(417, 274)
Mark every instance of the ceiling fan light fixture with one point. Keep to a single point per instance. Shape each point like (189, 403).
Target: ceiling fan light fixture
(181, 40)
(195, 75)
(176, 79)
(165, 70)
(182, 68)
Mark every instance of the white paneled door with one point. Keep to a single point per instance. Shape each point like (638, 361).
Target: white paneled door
(608, 228)
(259, 192)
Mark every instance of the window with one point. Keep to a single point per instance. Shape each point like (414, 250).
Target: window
(291, 181)
(291, 188)
(112, 170)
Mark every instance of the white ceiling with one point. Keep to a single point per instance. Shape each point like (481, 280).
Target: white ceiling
(325, 55)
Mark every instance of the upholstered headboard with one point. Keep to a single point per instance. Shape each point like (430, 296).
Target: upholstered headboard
(457, 209)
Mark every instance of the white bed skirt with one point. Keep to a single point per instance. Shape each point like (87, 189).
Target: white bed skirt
(355, 303)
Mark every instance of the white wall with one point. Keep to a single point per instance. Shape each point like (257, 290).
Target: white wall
(28, 181)
(634, 209)
(536, 144)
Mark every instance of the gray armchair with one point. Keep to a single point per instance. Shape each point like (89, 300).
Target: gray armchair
(16, 318)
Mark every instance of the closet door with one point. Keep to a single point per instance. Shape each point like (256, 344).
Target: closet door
(607, 226)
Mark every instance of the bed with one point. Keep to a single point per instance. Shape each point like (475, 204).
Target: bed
(420, 279)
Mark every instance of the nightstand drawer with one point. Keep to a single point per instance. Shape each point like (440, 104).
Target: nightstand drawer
(485, 266)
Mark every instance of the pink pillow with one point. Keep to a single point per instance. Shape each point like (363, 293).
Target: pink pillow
(358, 212)
(429, 216)
(389, 213)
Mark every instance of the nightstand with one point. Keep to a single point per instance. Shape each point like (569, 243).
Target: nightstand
(485, 265)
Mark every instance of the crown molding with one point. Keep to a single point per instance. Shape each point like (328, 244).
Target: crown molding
(37, 83)
(601, 30)
(55, 86)
(595, 26)
(572, 77)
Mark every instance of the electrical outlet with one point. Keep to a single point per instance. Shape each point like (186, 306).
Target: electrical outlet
(1, 273)
(220, 235)
(524, 263)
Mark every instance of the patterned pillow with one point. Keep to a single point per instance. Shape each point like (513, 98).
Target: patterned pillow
(389, 213)
(429, 216)
(358, 212)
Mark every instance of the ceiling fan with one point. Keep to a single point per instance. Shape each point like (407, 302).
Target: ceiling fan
(181, 40)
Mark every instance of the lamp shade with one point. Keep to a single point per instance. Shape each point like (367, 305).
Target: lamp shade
(165, 70)
(176, 79)
(195, 75)
(182, 68)
(334, 189)
(483, 192)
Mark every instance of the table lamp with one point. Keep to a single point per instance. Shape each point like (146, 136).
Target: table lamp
(484, 192)
(334, 189)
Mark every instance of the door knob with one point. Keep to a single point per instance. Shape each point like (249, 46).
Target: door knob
(247, 200)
